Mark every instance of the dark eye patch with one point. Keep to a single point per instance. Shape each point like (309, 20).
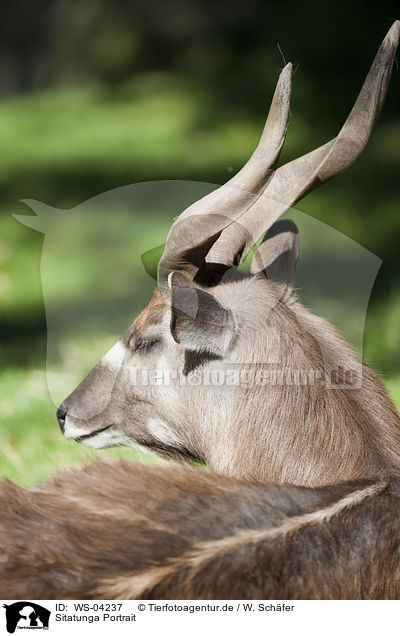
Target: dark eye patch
(193, 360)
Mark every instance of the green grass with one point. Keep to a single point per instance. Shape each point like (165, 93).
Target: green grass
(32, 447)
(393, 386)
(154, 125)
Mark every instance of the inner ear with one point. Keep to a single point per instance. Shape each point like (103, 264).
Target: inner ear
(198, 321)
(278, 253)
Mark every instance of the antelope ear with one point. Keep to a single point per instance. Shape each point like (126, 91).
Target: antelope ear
(198, 321)
(278, 253)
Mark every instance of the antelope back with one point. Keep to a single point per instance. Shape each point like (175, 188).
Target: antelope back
(132, 531)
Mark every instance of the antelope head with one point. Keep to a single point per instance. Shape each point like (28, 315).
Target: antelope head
(193, 376)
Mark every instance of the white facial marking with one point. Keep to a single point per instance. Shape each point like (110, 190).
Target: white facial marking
(71, 431)
(104, 439)
(161, 431)
(115, 356)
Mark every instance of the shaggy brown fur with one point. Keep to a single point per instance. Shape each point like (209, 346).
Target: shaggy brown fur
(134, 531)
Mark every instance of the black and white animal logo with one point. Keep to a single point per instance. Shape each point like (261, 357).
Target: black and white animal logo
(26, 615)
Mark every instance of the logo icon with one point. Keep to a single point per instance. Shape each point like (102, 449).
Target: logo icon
(26, 615)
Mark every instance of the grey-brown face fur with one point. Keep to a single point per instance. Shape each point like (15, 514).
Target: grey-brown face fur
(155, 388)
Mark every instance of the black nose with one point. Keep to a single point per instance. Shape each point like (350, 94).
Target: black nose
(61, 415)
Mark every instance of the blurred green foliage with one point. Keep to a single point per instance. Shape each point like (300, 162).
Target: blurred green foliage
(97, 95)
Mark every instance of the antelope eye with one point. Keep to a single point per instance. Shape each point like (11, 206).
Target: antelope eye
(142, 345)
